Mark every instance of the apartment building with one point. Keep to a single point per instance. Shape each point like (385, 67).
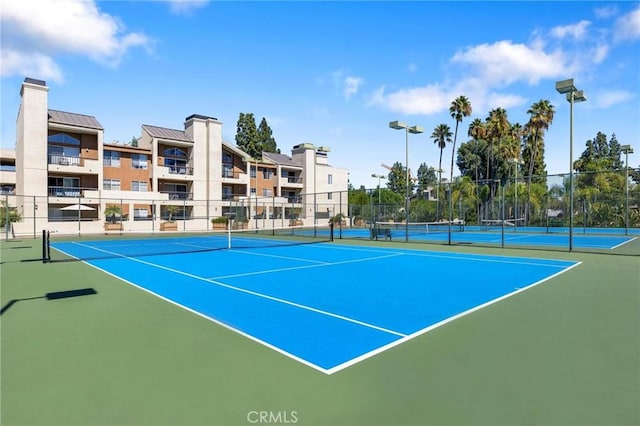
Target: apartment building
(69, 180)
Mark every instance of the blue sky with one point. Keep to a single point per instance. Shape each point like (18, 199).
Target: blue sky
(329, 73)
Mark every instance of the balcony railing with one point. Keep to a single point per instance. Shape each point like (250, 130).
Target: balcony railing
(64, 160)
(68, 191)
(233, 197)
(180, 170)
(179, 195)
(230, 174)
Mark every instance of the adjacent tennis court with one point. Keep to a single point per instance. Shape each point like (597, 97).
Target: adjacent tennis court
(326, 305)
(496, 234)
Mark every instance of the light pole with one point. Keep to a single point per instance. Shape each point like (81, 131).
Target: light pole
(573, 95)
(515, 162)
(627, 149)
(373, 175)
(397, 125)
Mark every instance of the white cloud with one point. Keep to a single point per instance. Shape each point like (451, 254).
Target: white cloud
(34, 64)
(606, 12)
(425, 100)
(612, 97)
(352, 85)
(627, 27)
(34, 33)
(576, 31)
(600, 53)
(349, 85)
(504, 62)
(186, 7)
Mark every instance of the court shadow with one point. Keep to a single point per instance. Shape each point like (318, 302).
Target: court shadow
(51, 296)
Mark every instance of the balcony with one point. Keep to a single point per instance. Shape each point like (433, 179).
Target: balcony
(174, 172)
(75, 164)
(234, 176)
(178, 195)
(291, 181)
(180, 170)
(71, 192)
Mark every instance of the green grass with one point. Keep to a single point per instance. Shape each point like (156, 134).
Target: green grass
(566, 352)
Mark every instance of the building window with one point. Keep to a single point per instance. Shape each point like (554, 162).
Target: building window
(227, 158)
(329, 195)
(227, 171)
(174, 152)
(111, 159)
(111, 184)
(63, 138)
(227, 193)
(267, 173)
(64, 187)
(139, 161)
(329, 179)
(267, 192)
(140, 214)
(253, 191)
(254, 171)
(175, 160)
(139, 186)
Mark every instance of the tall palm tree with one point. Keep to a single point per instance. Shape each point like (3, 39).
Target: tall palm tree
(541, 116)
(499, 126)
(460, 108)
(441, 136)
(477, 131)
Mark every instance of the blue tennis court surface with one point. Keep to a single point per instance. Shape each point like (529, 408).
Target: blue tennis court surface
(326, 305)
(523, 236)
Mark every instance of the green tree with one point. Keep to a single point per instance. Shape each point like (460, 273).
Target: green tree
(247, 137)
(441, 136)
(8, 214)
(397, 179)
(254, 140)
(266, 142)
(426, 177)
(460, 108)
(541, 116)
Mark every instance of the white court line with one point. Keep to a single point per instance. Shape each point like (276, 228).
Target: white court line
(404, 338)
(441, 323)
(293, 268)
(490, 258)
(253, 293)
(623, 243)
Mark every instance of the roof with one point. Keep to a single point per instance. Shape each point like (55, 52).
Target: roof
(73, 119)
(164, 133)
(281, 159)
(235, 149)
(35, 81)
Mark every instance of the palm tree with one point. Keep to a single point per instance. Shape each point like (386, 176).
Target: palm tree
(111, 212)
(541, 116)
(498, 128)
(441, 136)
(477, 131)
(460, 108)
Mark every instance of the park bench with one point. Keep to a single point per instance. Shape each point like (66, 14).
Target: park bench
(381, 233)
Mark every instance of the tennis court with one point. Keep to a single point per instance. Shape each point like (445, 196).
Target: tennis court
(599, 239)
(84, 347)
(326, 305)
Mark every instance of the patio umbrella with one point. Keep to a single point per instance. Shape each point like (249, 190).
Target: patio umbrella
(77, 207)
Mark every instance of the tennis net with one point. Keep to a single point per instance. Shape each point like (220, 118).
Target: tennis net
(157, 244)
(422, 228)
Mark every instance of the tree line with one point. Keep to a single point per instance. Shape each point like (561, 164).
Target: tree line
(495, 153)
